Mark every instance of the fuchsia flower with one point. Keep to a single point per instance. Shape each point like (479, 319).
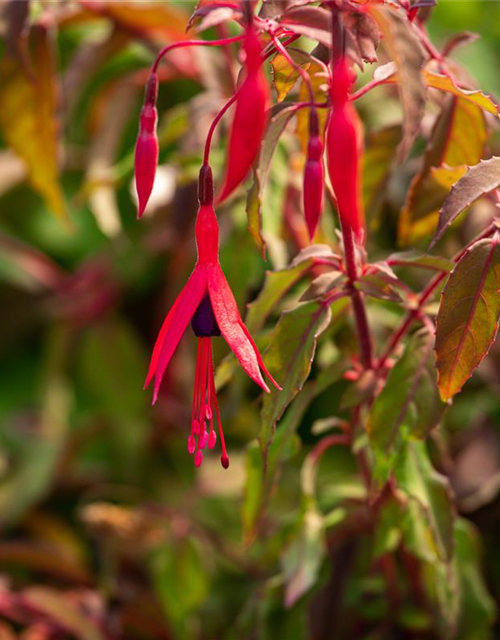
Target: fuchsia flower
(314, 176)
(146, 149)
(343, 151)
(250, 117)
(208, 303)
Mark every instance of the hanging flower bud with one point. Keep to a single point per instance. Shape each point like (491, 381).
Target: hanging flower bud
(146, 148)
(313, 176)
(250, 117)
(343, 151)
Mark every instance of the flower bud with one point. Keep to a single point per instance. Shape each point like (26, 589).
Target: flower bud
(146, 149)
(343, 152)
(313, 177)
(249, 120)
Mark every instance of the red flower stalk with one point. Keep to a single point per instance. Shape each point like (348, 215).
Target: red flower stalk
(146, 148)
(314, 177)
(343, 151)
(250, 117)
(208, 302)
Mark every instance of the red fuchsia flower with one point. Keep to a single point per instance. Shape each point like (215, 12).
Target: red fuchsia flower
(343, 151)
(250, 117)
(208, 303)
(146, 148)
(314, 177)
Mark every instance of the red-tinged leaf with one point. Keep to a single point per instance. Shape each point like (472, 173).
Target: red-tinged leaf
(272, 9)
(324, 284)
(459, 40)
(376, 287)
(57, 607)
(457, 139)
(320, 251)
(467, 320)
(406, 51)
(365, 34)
(312, 22)
(213, 14)
(28, 117)
(479, 180)
(16, 14)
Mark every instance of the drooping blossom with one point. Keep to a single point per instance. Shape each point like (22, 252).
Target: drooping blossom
(250, 117)
(343, 151)
(208, 303)
(146, 148)
(314, 177)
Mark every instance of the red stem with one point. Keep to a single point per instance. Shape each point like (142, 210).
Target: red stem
(215, 122)
(194, 43)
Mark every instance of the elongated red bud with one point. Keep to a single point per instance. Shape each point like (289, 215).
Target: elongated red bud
(146, 148)
(249, 120)
(342, 146)
(314, 177)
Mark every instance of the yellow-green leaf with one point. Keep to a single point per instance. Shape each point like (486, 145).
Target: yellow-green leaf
(457, 139)
(28, 117)
(444, 83)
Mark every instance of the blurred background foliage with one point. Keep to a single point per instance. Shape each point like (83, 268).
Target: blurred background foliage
(106, 529)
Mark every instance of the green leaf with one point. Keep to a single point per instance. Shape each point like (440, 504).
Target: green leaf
(479, 180)
(254, 213)
(254, 474)
(417, 259)
(181, 582)
(388, 532)
(432, 513)
(113, 368)
(302, 560)
(289, 358)
(277, 124)
(477, 607)
(410, 398)
(467, 320)
(276, 286)
(35, 470)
